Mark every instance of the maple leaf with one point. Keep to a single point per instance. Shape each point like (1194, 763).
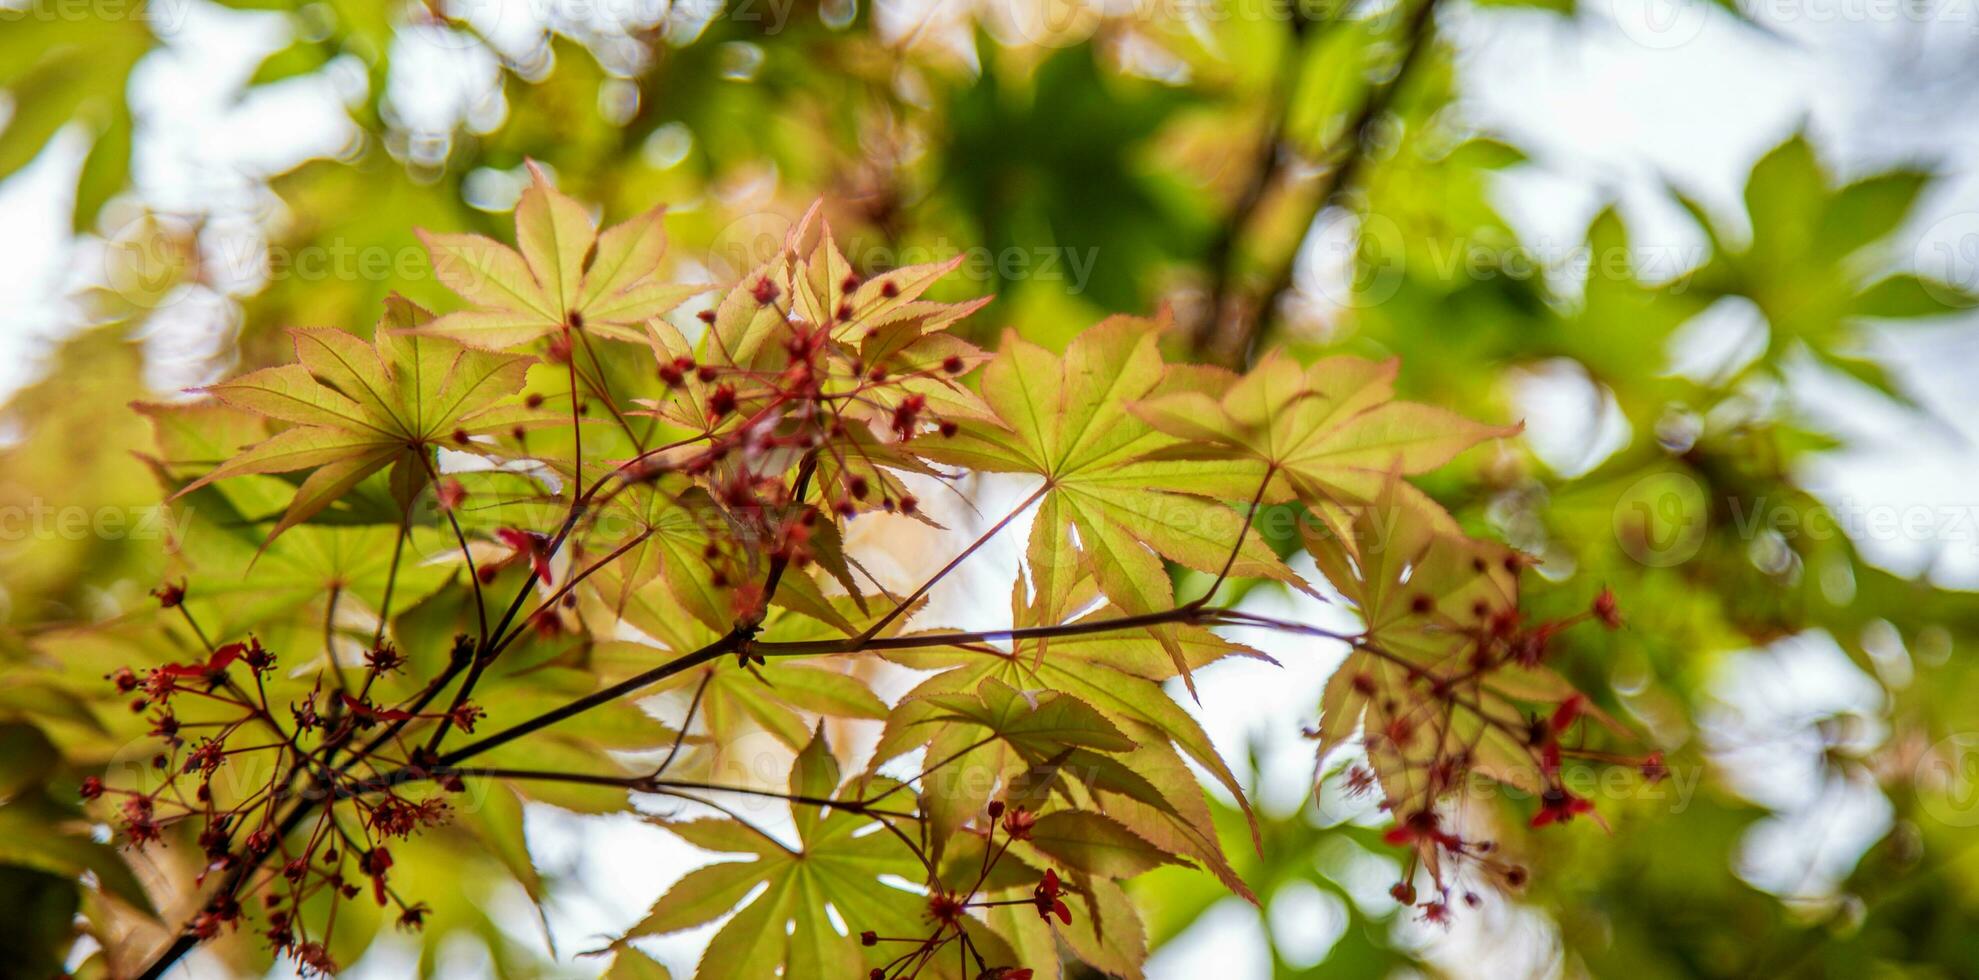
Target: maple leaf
(1330, 433)
(1105, 480)
(356, 408)
(567, 275)
(1439, 610)
(1421, 586)
(1117, 675)
(786, 929)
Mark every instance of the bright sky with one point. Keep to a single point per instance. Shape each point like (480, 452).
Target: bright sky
(1632, 93)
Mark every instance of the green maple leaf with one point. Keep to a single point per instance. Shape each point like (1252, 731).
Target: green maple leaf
(1330, 433)
(1418, 582)
(1814, 262)
(786, 929)
(1106, 479)
(775, 696)
(567, 274)
(1116, 675)
(244, 581)
(1427, 595)
(356, 408)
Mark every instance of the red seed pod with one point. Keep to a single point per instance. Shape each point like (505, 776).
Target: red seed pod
(1606, 611)
(953, 364)
(1653, 768)
(705, 316)
(889, 289)
(764, 291)
(721, 402)
(1568, 712)
(450, 494)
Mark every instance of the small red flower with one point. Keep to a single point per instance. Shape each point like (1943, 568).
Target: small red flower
(315, 960)
(384, 659)
(1606, 611)
(1559, 806)
(907, 413)
(1018, 823)
(1047, 900)
(1360, 781)
(466, 715)
(1653, 769)
(363, 710)
(944, 907)
(376, 863)
(1421, 827)
(721, 401)
(257, 656)
(532, 545)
